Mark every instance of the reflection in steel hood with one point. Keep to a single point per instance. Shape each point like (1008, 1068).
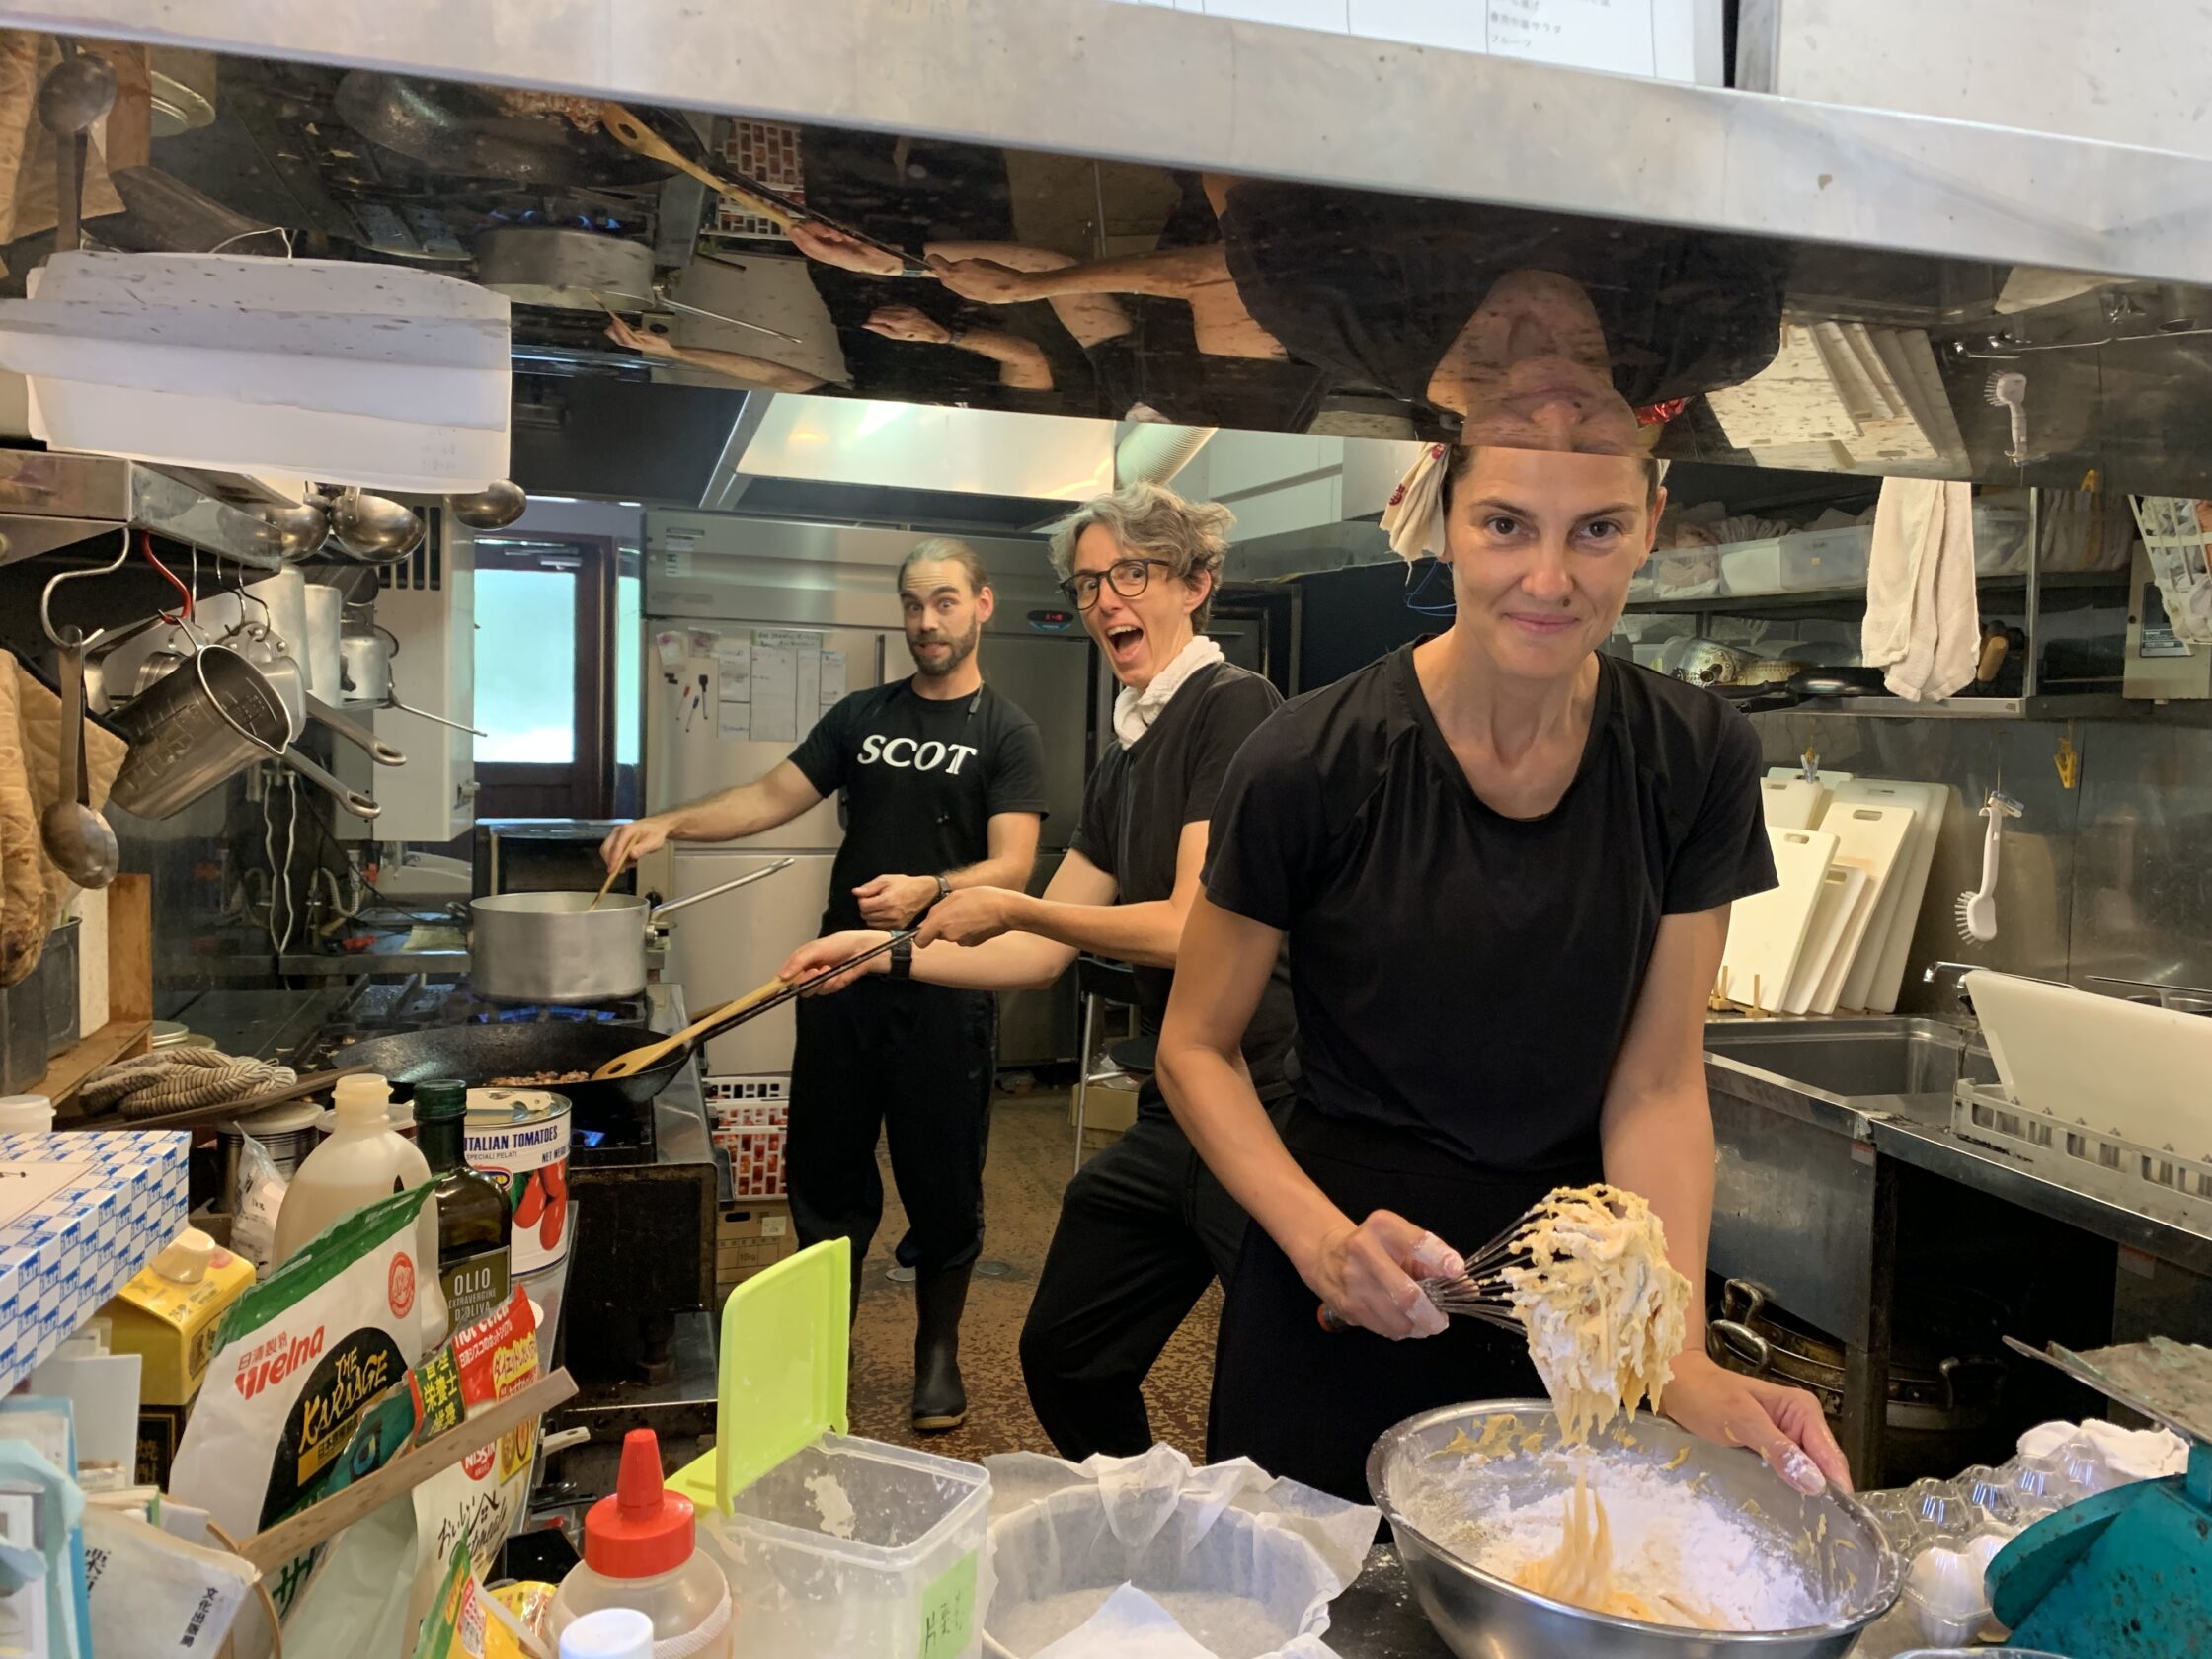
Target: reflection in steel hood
(921, 446)
(50, 500)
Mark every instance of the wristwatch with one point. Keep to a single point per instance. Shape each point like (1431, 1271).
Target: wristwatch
(903, 957)
(944, 887)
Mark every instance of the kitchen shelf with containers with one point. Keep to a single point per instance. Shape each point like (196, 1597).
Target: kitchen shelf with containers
(1777, 592)
(1741, 563)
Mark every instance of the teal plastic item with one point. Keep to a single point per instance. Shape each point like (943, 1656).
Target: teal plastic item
(2125, 1574)
(780, 1382)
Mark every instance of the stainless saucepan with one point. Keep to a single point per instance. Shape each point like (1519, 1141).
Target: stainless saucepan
(553, 947)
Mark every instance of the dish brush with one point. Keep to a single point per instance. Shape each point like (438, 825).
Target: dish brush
(2008, 390)
(1977, 910)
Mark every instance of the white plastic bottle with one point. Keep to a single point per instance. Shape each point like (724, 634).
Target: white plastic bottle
(364, 1160)
(609, 1633)
(639, 1552)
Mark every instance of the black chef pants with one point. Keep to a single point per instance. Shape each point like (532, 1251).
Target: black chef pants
(913, 1061)
(1304, 1403)
(1143, 1229)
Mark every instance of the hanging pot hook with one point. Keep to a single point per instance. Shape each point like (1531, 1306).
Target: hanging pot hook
(46, 598)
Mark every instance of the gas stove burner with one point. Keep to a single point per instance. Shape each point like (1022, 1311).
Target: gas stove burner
(531, 1012)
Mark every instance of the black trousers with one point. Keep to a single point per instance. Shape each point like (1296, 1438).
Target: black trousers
(1302, 1402)
(910, 1060)
(1143, 1229)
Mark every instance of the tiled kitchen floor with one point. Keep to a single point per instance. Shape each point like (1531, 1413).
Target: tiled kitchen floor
(1031, 1159)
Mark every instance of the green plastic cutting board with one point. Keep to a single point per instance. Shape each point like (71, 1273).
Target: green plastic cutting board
(780, 1380)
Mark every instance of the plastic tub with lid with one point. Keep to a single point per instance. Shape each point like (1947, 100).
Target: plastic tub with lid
(831, 1544)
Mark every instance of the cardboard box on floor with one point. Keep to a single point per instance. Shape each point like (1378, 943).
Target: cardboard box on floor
(1108, 1110)
(748, 1236)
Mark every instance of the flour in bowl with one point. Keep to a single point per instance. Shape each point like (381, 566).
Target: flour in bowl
(1632, 1541)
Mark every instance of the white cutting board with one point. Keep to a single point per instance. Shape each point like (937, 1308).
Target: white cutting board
(1792, 803)
(1766, 930)
(1908, 886)
(1828, 779)
(1842, 887)
(1872, 837)
(2117, 1067)
(1859, 906)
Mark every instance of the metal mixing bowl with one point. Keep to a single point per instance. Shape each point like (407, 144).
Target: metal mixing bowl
(1847, 1561)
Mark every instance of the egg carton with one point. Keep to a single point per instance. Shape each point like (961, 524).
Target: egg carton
(1947, 1532)
(2078, 1154)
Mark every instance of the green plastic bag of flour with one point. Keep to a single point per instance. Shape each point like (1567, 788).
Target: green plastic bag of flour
(301, 1355)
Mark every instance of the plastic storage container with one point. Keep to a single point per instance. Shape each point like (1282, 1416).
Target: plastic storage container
(1822, 558)
(640, 1553)
(860, 1550)
(363, 1161)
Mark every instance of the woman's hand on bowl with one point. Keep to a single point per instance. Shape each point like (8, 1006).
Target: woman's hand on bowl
(1783, 1425)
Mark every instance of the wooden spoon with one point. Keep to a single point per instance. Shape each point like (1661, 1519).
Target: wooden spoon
(612, 871)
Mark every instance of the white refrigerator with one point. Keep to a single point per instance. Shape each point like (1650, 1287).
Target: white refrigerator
(723, 703)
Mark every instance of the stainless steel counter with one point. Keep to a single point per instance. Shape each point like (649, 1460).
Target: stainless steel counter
(2166, 1232)
(1754, 1062)
(1843, 1190)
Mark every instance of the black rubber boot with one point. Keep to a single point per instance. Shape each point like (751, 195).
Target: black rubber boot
(940, 1402)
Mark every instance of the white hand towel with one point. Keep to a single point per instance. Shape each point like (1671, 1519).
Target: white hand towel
(1414, 516)
(1135, 711)
(1922, 626)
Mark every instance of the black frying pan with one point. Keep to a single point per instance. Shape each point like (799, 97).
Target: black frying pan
(476, 1053)
(1811, 685)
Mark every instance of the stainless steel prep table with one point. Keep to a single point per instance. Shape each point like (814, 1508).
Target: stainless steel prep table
(1820, 1195)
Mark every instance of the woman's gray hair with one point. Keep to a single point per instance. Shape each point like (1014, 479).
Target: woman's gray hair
(1152, 522)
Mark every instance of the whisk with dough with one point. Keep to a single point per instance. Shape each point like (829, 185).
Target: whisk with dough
(1583, 1274)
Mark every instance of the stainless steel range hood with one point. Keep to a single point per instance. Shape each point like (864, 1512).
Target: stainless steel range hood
(49, 500)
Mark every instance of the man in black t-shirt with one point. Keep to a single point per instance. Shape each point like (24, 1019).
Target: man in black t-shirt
(1143, 1227)
(941, 786)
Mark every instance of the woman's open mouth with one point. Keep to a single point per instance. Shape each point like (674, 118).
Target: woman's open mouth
(1124, 640)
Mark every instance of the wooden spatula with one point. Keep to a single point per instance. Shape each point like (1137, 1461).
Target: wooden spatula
(753, 1002)
(638, 1059)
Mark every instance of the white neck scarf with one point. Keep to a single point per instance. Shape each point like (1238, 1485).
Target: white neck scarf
(1135, 711)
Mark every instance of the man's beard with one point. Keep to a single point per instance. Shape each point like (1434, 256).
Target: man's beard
(963, 648)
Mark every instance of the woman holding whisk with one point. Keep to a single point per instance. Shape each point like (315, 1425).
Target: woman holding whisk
(1503, 863)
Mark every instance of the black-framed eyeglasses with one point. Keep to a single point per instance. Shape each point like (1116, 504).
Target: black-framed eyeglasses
(1130, 578)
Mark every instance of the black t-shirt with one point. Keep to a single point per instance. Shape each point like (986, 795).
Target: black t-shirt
(1139, 802)
(921, 779)
(1375, 289)
(1461, 974)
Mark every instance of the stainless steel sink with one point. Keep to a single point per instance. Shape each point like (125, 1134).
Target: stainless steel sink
(1854, 1057)
(1843, 1071)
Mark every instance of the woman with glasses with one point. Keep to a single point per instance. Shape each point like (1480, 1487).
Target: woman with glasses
(1143, 1228)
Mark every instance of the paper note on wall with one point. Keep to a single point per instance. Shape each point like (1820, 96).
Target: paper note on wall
(733, 719)
(808, 699)
(775, 694)
(832, 679)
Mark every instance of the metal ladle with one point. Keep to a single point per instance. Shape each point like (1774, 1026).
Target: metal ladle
(75, 94)
(375, 527)
(78, 839)
(494, 507)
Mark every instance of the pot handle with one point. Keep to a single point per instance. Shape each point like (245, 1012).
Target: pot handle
(393, 702)
(661, 910)
(353, 800)
(1744, 1342)
(1743, 1298)
(361, 736)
